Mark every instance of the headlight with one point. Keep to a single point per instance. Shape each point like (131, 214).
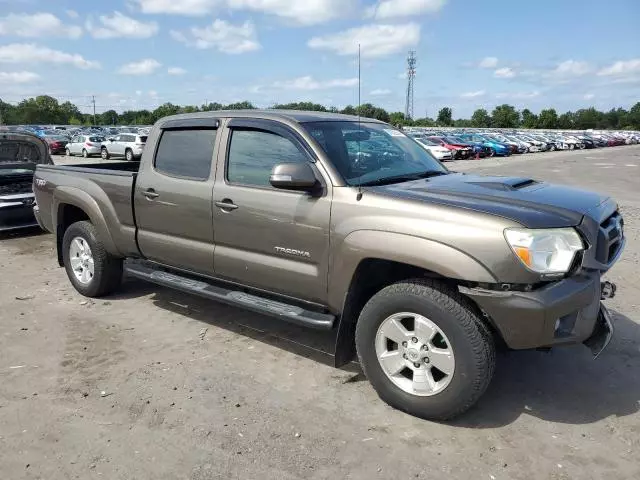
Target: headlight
(545, 251)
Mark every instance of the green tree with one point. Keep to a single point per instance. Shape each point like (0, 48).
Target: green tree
(566, 121)
(529, 119)
(349, 110)
(548, 119)
(481, 118)
(240, 106)
(307, 106)
(587, 118)
(424, 122)
(462, 123)
(398, 118)
(110, 117)
(445, 117)
(633, 117)
(505, 116)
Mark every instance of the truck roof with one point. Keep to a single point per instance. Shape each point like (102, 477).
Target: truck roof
(296, 116)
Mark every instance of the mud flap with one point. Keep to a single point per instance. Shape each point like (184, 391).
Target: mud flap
(602, 333)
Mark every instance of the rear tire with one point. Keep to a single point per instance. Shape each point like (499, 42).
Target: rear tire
(104, 153)
(461, 332)
(67, 152)
(85, 154)
(107, 269)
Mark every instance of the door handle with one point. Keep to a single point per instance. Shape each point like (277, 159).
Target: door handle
(150, 193)
(226, 204)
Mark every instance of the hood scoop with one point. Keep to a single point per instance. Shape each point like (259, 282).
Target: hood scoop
(506, 184)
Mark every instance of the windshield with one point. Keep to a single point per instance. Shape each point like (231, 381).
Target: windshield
(370, 152)
(426, 141)
(57, 138)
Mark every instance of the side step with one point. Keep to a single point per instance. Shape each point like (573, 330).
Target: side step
(284, 311)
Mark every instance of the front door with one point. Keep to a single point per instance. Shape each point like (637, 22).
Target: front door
(266, 238)
(115, 146)
(173, 199)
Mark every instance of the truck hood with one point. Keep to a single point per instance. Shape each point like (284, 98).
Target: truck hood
(525, 201)
(20, 151)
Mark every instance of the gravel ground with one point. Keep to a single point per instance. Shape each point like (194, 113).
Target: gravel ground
(155, 384)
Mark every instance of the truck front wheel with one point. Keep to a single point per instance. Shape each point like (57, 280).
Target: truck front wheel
(424, 349)
(92, 270)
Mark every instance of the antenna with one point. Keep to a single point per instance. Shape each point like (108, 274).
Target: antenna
(411, 75)
(359, 196)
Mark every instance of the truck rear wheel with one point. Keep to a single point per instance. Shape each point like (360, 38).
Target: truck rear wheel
(424, 349)
(92, 270)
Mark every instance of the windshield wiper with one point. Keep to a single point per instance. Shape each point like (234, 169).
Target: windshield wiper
(404, 178)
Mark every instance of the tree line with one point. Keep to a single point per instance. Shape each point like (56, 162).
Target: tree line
(44, 109)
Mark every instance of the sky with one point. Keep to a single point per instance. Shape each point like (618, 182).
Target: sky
(132, 54)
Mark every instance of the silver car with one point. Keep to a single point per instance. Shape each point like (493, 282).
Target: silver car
(127, 145)
(85, 145)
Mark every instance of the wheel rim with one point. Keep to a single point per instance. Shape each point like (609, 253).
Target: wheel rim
(104, 153)
(415, 354)
(85, 154)
(81, 260)
(67, 152)
(129, 155)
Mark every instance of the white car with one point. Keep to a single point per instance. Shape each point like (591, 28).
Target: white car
(438, 151)
(127, 145)
(85, 145)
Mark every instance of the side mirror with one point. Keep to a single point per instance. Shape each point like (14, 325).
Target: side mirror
(293, 176)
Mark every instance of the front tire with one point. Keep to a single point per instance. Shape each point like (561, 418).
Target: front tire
(67, 152)
(128, 155)
(85, 154)
(104, 153)
(424, 349)
(92, 270)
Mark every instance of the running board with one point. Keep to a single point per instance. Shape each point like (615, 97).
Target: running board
(284, 311)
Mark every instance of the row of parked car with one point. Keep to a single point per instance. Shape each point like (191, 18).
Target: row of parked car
(105, 142)
(464, 144)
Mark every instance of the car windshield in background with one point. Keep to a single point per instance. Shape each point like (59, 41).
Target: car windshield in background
(57, 138)
(368, 153)
(426, 141)
(97, 139)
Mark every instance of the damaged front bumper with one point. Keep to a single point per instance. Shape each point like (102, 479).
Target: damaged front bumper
(563, 313)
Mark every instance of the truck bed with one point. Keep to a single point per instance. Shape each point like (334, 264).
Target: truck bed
(107, 168)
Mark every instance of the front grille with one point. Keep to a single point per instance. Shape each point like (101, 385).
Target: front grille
(610, 238)
(15, 188)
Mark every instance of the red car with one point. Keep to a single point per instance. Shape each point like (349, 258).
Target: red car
(459, 151)
(57, 143)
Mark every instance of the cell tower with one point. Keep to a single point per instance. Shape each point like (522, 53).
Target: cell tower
(411, 75)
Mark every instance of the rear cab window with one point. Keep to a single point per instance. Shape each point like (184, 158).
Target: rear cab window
(186, 152)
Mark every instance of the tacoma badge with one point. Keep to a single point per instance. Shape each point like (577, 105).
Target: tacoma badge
(293, 251)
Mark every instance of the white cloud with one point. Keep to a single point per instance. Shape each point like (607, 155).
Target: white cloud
(176, 71)
(504, 72)
(307, 12)
(146, 66)
(121, 26)
(13, 78)
(571, 68)
(303, 12)
(375, 40)
(519, 95)
(31, 53)
(478, 93)
(588, 96)
(73, 14)
(309, 83)
(221, 35)
(488, 62)
(37, 25)
(402, 76)
(403, 8)
(379, 92)
(622, 67)
(178, 7)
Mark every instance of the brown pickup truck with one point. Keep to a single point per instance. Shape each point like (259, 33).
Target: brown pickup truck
(333, 221)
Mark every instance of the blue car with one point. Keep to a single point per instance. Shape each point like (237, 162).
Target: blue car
(497, 148)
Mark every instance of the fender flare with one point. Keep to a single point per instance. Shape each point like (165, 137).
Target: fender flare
(65, 195)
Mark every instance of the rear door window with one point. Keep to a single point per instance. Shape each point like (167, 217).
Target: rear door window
(143, 139)
(186, 153)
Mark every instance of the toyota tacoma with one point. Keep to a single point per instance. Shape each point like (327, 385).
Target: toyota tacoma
(338, 222)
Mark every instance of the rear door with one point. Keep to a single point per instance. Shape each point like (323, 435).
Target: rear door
(173, 195)
(267, 238)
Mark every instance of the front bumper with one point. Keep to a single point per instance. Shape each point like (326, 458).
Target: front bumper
(16, 211)
(564, 312)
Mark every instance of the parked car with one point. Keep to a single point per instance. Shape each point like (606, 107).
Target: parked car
(460, 151)
(496, 148)
(478, 149)
(441, 153)
(20, 152)
(86, 145)
(420, 270)
(57, 144)
(127, 145)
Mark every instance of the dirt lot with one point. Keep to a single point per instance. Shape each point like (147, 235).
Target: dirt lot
(156, 384)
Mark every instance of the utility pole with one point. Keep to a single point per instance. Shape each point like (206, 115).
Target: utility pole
(93, 100)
